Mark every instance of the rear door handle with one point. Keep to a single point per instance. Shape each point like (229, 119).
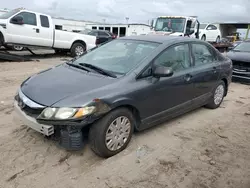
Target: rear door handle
(188, 77)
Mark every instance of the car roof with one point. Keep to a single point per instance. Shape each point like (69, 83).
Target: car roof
(100, 30)
(159, 38)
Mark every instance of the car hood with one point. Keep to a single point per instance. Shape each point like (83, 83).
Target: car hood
(239, 56)
(63, 82)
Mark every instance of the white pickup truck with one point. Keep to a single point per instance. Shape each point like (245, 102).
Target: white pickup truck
(27, 28)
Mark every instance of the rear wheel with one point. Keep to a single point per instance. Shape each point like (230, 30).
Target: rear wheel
(218, 96)
(77, 49)
(203, 38)
(217, 39)
(111, 134)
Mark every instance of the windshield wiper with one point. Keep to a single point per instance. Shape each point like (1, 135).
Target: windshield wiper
(98, 69)
(77, 66)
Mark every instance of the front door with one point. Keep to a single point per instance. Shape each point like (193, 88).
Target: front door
(27, 33)
(166, 95)
(206, 70)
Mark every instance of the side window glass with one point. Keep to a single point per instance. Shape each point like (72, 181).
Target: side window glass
(28, 18)
(213, 27)
(103, 34)
(44, 21)
(176, 57)
(202, 54)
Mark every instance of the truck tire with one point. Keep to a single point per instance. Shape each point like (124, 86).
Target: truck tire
(18, 48)
(77, 49)
(112, 133)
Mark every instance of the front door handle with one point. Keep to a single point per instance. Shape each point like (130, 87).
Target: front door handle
(187, 77)
(37, 30)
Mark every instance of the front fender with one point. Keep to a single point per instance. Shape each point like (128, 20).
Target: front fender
(123, 102)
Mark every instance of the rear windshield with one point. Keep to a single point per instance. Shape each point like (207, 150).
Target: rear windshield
(9, 14)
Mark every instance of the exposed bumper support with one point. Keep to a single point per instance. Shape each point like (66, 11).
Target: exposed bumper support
(32, 123)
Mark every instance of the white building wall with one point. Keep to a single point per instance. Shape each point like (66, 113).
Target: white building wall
(138, 30)
(71, 25)
(131, 29)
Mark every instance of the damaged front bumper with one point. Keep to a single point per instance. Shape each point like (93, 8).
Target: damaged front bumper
(31, 122)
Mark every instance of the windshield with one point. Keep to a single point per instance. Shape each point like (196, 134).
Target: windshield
(203, 26)
(170, 24)
(9, 14)
(118, 56)
(243, 47)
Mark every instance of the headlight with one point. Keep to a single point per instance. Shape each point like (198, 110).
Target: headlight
(66, 113)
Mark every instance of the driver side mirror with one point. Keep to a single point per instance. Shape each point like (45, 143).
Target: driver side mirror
(162, 71)
(17, 20)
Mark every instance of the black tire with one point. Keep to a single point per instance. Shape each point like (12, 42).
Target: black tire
(97, 132)
(74, 47)
(203, 37)
(212, 104)
(217, 39)
(15, 47)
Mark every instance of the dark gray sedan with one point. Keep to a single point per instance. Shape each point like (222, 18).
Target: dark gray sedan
(131, 83)
(240, 56)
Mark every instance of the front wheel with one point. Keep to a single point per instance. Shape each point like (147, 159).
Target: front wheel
(218, 96)
(111, 134)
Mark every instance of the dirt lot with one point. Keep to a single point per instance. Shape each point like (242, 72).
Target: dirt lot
(203, 149)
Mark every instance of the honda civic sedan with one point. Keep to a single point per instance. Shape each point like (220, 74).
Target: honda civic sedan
(129, 84)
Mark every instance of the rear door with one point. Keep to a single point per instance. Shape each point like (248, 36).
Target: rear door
(206, 70)
(103, 36)
(46, 31)
(26, 33)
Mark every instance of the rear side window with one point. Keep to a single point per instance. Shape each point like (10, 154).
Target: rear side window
(44, 21)
(93, 33)
(28, 18)
(202, 54)
(103, 34)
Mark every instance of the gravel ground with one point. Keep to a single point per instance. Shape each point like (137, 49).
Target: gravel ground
(202, 149)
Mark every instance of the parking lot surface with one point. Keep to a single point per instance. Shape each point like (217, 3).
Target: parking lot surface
(202, 149)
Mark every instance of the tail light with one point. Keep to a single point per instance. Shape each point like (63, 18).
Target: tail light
(113, 36)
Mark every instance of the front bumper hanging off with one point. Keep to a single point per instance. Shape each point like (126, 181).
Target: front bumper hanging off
(32, 123)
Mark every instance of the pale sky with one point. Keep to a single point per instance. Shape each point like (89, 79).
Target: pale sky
(138, 11)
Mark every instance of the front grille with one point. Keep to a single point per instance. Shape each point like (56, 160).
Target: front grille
(240, 65)
(32, 112)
